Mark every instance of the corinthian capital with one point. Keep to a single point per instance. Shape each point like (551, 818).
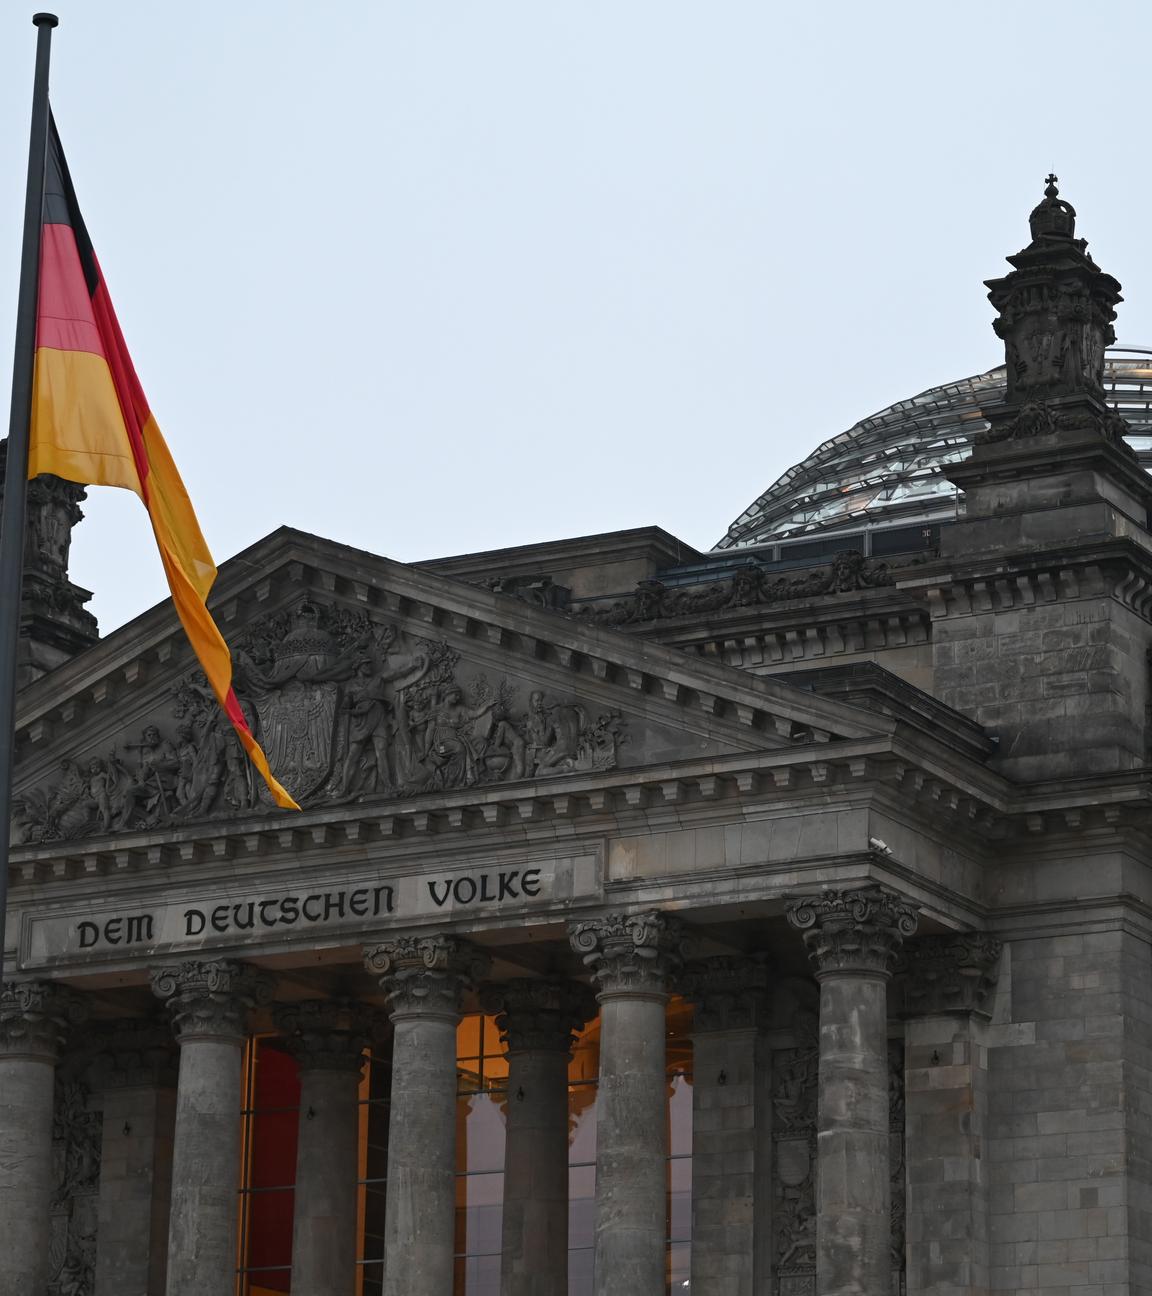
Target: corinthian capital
(325, 1034)
(857, 931)
(211, 999)
(35, 1017)
(729, 992)
(951, 974)
(539, 1013)
(134, 1053)
(629, 953)
(425, 976)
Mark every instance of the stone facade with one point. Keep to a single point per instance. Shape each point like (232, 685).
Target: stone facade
(884, 825)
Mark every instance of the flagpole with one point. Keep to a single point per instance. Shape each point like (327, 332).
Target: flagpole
(16, 467)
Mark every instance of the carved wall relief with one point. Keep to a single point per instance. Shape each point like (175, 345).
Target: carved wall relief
(795, 1074)
(344, 708)
(750, 586)
(76, 1133)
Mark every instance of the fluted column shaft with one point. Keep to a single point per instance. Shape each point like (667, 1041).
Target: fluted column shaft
(34, 1019)
(853, 938)
(731, 1127)
(328, 1038)
(209, 1003)
(424, 978)
(948, 991)
(631, 957)
(537, 1019)
(136, 1070)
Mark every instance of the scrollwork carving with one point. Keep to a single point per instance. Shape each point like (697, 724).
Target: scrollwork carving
(211, 998)
(951, 974)
(629, 953)
(750, 586)
(538, 1013)
(37, 1016)
(729, 992)
(326, 1034)
(856, 931)
(134, 1052)
(426, 975)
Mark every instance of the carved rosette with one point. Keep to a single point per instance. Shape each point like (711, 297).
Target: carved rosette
(325, 1034)
(211, 999)
(426, 976)
(856, 932)
(134, 1053)
(629, 954)
(951, 974)
(36, 1017)
(538, 1014)
(729, 992)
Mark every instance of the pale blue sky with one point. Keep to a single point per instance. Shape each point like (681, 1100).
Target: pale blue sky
(438, 276)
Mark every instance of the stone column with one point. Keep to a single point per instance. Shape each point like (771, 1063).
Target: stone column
(947, 994)
(34, 1020)
(209, 1003)
(631, 957)
(136, 1070)
(537, 1020)
(425, 978)
(731, 1127)
(327, 1037)
(853, 938)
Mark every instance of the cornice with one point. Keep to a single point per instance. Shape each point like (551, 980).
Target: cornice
(966, 798)
(1120, 568)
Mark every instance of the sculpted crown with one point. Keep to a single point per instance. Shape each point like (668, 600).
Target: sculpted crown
(951, 974)
(35, 1016)
(858, 931)
(729, 992)
(211, 998)
(629, 953)
(325, 1034)
(538, 1013)
(426, 975)
(1052, 216)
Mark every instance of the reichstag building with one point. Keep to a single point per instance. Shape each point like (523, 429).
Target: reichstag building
(767, 921)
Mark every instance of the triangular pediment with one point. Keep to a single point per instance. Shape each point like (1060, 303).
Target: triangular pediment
(370, 680)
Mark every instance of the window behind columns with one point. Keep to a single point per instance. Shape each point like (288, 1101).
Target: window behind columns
(270, 1115)
(272, 1112)
(483, 1073)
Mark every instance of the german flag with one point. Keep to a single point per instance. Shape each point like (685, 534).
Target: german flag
(91, 424)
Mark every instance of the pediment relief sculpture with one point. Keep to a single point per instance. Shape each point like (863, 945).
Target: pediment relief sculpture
(346, 708)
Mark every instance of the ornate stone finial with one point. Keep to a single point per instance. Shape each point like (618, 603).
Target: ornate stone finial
(426, 976)
(1055, 313)
(629, 953)
(729, 992)
(134, 1053)
(858, 932)
(36, 1017)
(951, 974)
(1052, 217)
(537, 1014)
(211, 998)
(325, 1034)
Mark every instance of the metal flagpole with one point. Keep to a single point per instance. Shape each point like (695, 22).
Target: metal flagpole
(16, 469)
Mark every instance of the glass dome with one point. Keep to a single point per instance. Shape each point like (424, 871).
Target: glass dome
(889, 469)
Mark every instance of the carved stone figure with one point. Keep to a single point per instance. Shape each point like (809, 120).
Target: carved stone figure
(354, 708)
